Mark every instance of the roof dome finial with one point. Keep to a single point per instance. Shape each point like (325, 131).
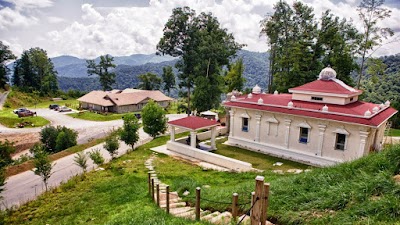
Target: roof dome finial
(256, 89)
(327, 74)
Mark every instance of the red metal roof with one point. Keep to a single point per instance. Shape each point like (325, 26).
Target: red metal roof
(194, 123)
(352, 113)
(325, 86)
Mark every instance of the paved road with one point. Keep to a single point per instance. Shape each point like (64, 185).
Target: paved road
(3, 97)
(26, 186)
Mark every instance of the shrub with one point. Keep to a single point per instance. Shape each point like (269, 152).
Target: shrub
(42, 163)
(6, 149)
(56, 139)
(112, 145)
(80, 159)
(96, 156)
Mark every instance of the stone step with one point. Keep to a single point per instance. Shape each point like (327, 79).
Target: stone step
(177, 211)
(223, 218)
(202, 214)
(173, 205)
(210, 216)
(187, 214)
(171, 200)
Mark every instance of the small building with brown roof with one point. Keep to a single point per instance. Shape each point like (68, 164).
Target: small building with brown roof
(319, 123)
(128, 100)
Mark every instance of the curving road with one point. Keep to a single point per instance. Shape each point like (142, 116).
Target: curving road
(3, 97)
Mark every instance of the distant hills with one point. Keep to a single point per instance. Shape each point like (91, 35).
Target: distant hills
(72, 71)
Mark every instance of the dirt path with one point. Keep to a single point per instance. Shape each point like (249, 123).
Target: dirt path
(3, 97)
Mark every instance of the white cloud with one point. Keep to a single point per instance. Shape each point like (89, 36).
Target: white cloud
(13, 19)
(30, 4)
(90, 14)
(55, 19)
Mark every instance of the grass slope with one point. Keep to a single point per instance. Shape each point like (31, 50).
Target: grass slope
(96, 116)
(11, 120)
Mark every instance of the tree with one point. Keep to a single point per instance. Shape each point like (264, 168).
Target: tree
(6, 149)
(375, 69)
(58, 138)
(42, 164)
(371, 13)
(107, 78)
(96, 156)
(35, 72)
(149, 81)
(112, 145)
(5, 55)
(168, 78)
(48, 136)
(234, 79)
(130, 130)
(80, 159)
(301, 46)
(154, 119)
(203, 49)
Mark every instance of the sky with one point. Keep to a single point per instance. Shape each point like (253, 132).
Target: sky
(89, 28)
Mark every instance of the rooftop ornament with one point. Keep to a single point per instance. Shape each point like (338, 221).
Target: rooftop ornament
(387, 103)
(327, 74)
(290, 104)
(249, 95)
(325, 108)
(233, 98)
(375, 109)
(260, 101)
(367, 113)
(256, 89)
(276, 92)
(381, 106)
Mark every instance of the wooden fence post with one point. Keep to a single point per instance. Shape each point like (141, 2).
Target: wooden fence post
(158, 195)
(198, 203)
(235, 206)
(149, 182)
(259, 195)
(167, 200)
(265, 204)
(253, 199)
(152, 189)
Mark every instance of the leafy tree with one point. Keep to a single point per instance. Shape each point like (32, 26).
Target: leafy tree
(154, 119)
(35, 72)
(58, 138)
(112, 145)
(234, 79)
(42, 164)
(6, 149)
(203, 49)
(5, 55)
(130, 130)
(149, 81)
(107, 78)
(80, 159)
(375, 69)
(371, 13)
(301, 46)
(96, 156)
(168, 78)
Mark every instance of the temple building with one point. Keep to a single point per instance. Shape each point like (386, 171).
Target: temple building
(319, 123)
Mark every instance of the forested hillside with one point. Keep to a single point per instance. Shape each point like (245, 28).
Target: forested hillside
(256, 68)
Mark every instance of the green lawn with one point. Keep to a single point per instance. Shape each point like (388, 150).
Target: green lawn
(86, 115)
(394, 132)
(9, 119)
(259, 161)
(72, 103)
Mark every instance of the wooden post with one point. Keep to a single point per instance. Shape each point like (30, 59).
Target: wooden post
(253, 199)
(259, 195)
(149, 182)
(158, 195)
(167, 200)
(265, 204)
(152, 189)
(198, 203)
(234, 206)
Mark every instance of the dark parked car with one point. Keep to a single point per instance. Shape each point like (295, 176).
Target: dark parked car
(26, 113)
(16, 111)
(53, 106)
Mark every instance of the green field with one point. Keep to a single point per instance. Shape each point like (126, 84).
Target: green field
(86, 115)
(394, 132)
(11, 120)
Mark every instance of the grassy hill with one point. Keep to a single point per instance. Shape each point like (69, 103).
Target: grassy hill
(360, 192)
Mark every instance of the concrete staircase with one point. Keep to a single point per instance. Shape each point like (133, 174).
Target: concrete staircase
(179, 208)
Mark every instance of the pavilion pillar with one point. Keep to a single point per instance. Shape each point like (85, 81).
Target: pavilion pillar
(213, 133)
(231, 113)
(172, 133)
(321, 129)
(287, 132)
(193, 138)
(363, 140)
(258, 128)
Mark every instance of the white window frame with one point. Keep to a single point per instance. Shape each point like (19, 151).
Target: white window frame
(346, 134)
(304, 125)
(247, 128)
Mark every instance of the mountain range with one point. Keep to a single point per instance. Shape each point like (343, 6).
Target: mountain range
(72, 70)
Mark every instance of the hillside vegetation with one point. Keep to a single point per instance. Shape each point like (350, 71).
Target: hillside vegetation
(360, 192)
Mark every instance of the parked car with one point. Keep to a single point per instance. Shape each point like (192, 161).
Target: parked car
(16, 111)
(53, 106)
(64, 109)
(26, 113)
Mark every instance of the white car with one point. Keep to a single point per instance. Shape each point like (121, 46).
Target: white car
(64, 109)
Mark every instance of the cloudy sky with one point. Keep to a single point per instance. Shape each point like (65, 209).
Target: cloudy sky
(89, 28)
